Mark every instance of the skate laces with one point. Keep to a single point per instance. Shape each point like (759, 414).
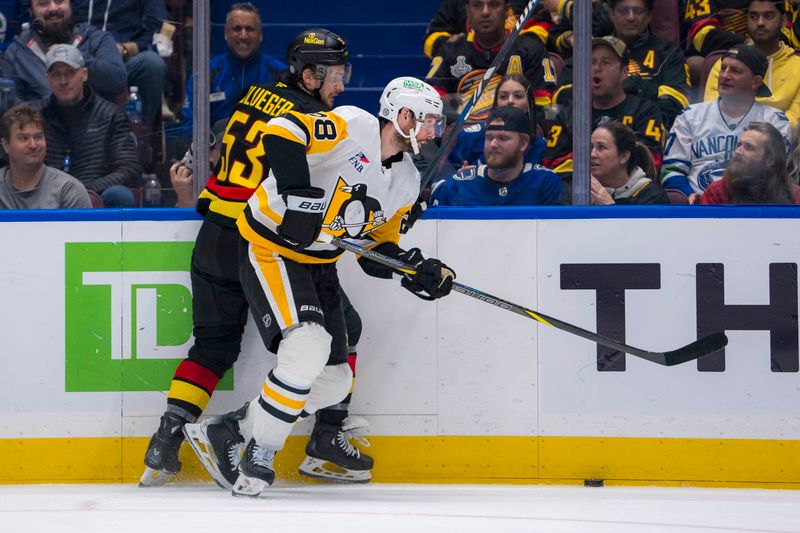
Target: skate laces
(353, 428)
(344, 443)
(262, 456)
(235, 453)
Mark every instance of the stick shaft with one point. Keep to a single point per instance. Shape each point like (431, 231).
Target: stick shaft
(699, 348)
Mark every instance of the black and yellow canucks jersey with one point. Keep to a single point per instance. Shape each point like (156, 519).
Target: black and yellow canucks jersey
(642, 116)
(339, 152)
(663, 73)
(460, 66)
(721, 24)
(715, 24)
(244, 163)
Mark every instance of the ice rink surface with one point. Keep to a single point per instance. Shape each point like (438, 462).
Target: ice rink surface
(386, 508)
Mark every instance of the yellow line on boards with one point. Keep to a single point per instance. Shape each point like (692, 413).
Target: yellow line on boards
(450, 459)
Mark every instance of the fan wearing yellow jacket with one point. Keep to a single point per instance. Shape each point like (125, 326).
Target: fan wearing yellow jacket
(764, 23)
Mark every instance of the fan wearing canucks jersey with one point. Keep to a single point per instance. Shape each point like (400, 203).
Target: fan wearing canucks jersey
(705, 135)
(348, 174)
(506, 178)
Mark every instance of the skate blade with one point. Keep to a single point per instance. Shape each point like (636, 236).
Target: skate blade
(197, 439)
(328, 471)
(154, 478)
(248, 487)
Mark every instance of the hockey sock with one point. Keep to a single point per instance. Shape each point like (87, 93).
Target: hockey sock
(191, 389)
(280, 405)
(335, 414)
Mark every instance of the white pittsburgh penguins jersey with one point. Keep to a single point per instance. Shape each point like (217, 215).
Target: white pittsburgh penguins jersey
(702, 141)
(363, 200)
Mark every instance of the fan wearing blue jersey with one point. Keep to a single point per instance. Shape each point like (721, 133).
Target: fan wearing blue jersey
(505, 179)
(514, 90)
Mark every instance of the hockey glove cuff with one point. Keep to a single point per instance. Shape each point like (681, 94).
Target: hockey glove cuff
(432, 279)
(302, 220)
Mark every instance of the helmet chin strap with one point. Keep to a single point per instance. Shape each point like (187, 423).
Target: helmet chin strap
(411, 135)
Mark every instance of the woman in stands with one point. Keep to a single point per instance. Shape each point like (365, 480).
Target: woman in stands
(515, 90)
(622, 168)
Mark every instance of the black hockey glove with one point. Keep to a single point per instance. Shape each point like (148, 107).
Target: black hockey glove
(432, 279)
(302, 220)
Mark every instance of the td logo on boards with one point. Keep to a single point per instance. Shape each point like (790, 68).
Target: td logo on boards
(128, 315)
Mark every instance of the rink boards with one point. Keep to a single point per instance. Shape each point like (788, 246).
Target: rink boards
(96, 313)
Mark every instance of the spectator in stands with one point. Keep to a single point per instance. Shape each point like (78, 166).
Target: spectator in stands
(657, 69)
(460, 64)
(231, 73)
(764, 22)
(505, 179)
(560, 37)
(757, 171)
(53, 24)
(450, 24)
(513, 90)
(87, 136)
(181, 173)
(609, 101)
(705, 135)
(622, 168)
(27, 183)
(132, 23)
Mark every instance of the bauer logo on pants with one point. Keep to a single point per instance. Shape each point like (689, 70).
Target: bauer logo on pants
(128, 315)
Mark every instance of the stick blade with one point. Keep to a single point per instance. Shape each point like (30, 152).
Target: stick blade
(699, 348)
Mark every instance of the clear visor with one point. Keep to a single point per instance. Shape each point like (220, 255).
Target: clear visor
(336, 74)
(435, 123)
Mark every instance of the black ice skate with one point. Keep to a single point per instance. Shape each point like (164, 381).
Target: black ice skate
(256, 472)
(161, 460)
(218, 443)
(332, 457)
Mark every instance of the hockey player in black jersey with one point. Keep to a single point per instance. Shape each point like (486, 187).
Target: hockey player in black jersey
(318, 65)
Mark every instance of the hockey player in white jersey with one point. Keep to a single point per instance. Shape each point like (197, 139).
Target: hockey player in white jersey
(704, 136)
(348, 174)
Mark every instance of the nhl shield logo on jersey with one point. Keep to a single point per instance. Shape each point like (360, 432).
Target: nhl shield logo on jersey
(351, 211)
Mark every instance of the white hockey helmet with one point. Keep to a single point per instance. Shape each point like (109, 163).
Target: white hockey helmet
(419, 97)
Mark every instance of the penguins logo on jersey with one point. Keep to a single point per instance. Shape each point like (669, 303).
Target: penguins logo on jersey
(352, 212)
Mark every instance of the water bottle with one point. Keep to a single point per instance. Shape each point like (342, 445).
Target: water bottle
(67, 165)
(133, 107)
(151, 191)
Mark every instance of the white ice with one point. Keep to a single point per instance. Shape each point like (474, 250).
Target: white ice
(387, 508)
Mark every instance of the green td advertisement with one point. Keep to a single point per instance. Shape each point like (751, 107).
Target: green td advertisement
(128, 315)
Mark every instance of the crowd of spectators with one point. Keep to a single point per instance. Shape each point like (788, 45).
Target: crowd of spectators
(684, 79)
(686, 92)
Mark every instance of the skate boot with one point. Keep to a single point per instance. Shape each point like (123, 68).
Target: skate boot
(161, 460)
(256, 472)
(331, 456)
(218, 443)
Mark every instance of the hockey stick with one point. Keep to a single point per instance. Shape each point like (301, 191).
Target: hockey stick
(448, 142)
(707, 345)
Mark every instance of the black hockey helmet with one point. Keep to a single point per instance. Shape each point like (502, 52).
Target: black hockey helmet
(315, 46)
